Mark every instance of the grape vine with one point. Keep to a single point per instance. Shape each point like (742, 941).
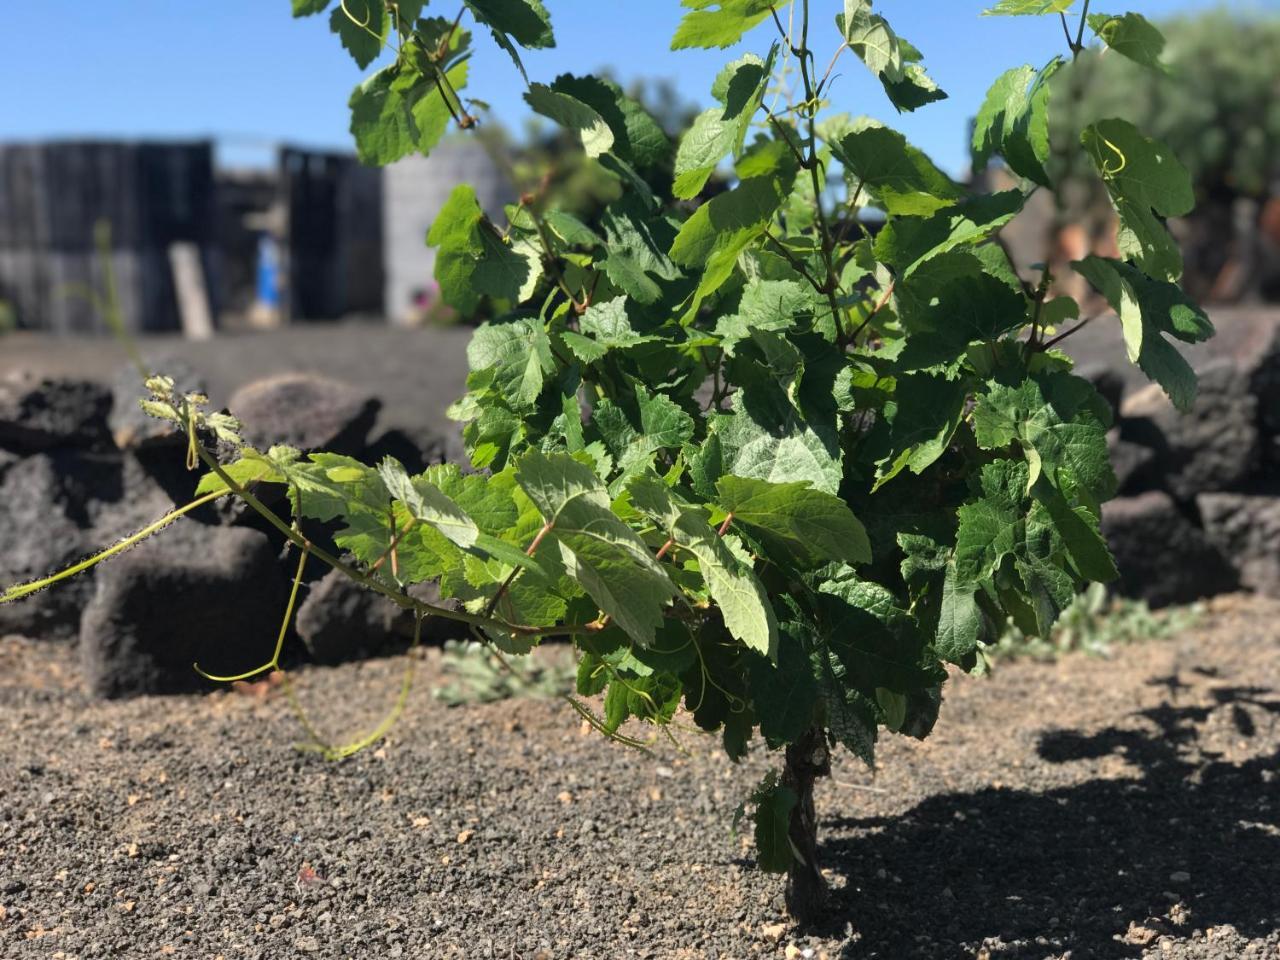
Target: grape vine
(756, 454)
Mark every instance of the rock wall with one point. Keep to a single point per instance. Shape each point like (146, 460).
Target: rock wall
(81, 468)
(1199, 510)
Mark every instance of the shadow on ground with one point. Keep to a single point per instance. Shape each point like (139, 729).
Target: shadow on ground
(1190, 843)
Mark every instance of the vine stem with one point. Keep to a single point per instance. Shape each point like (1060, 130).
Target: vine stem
(880, 305)
(400, 599)
(1084, 18)
(724, 527)
(804, 55)
(529, 552)
(274, 662)
(795, 262)
(26, 589)
(1066, 333)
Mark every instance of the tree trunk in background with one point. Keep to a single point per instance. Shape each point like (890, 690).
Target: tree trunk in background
(806, 760)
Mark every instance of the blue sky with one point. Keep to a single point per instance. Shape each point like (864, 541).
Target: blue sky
(246, 73)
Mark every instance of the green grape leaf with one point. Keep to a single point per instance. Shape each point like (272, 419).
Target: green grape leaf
(637, 241)
(474, 259)
(331, 487)
(850, 715)
(609, 326)
(515, 356)
(907, 242)
(1053, 415)
(409, 10)
(1014, 122)
(784, 694)
(774, 802)
(398, 111)
(999, 528)
(953, 300)
(896, 174)
(927, 411)
(722, 228)
(527, 22)
(306, 8)
(598, 550)
(719, 27)
(252, 467)
(426, 503)
(880, 644)
(1148, 310)
(744, 210)
(1132, 36)
(572, 114)
(894, 61)
(721, 131)
(734, 587)
(766, 437)
(1028, 8)
(653, 699)
(637, 137)
(796, 518)
(1145, 180)
(362, 26)
(960, 623)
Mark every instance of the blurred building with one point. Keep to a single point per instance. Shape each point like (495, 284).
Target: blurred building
(159, 202)
(414, 190)
(317, 237)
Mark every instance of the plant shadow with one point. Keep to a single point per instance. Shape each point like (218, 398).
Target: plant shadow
(1192, 841)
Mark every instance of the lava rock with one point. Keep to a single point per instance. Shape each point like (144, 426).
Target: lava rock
(1251, 340)
(1107, 381)
(306, 411)
(133, 429)
(1162, 557)
(41, 535)
(1132, 463)
(416, 452)
(192, 594)
(341, 621)
(1214, 446)
(1247, 530)
(59, 507)
(40, 414)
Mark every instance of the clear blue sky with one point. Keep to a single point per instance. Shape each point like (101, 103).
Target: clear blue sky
(245, 72)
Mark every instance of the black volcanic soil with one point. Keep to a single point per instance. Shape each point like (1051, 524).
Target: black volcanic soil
(1127, 807)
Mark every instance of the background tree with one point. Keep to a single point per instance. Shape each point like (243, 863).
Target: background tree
(1216, 103)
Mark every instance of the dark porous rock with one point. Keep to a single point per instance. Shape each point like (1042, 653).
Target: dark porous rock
(130, 427)
(416, 452)
(1246, 530)
(1214, 446)
(341, 621)
(1132, 463)
(1107, 381)
(1251, 340)
(306, 411)
(1162, 556)
(193, 594)
(40, 534)
(40, 414)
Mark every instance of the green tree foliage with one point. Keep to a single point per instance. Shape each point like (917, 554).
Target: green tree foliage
(754, 462)
(1204, 85)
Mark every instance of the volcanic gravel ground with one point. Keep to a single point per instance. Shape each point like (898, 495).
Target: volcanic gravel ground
(1127, 807)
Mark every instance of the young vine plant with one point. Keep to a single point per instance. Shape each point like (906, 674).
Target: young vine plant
(775, 449)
